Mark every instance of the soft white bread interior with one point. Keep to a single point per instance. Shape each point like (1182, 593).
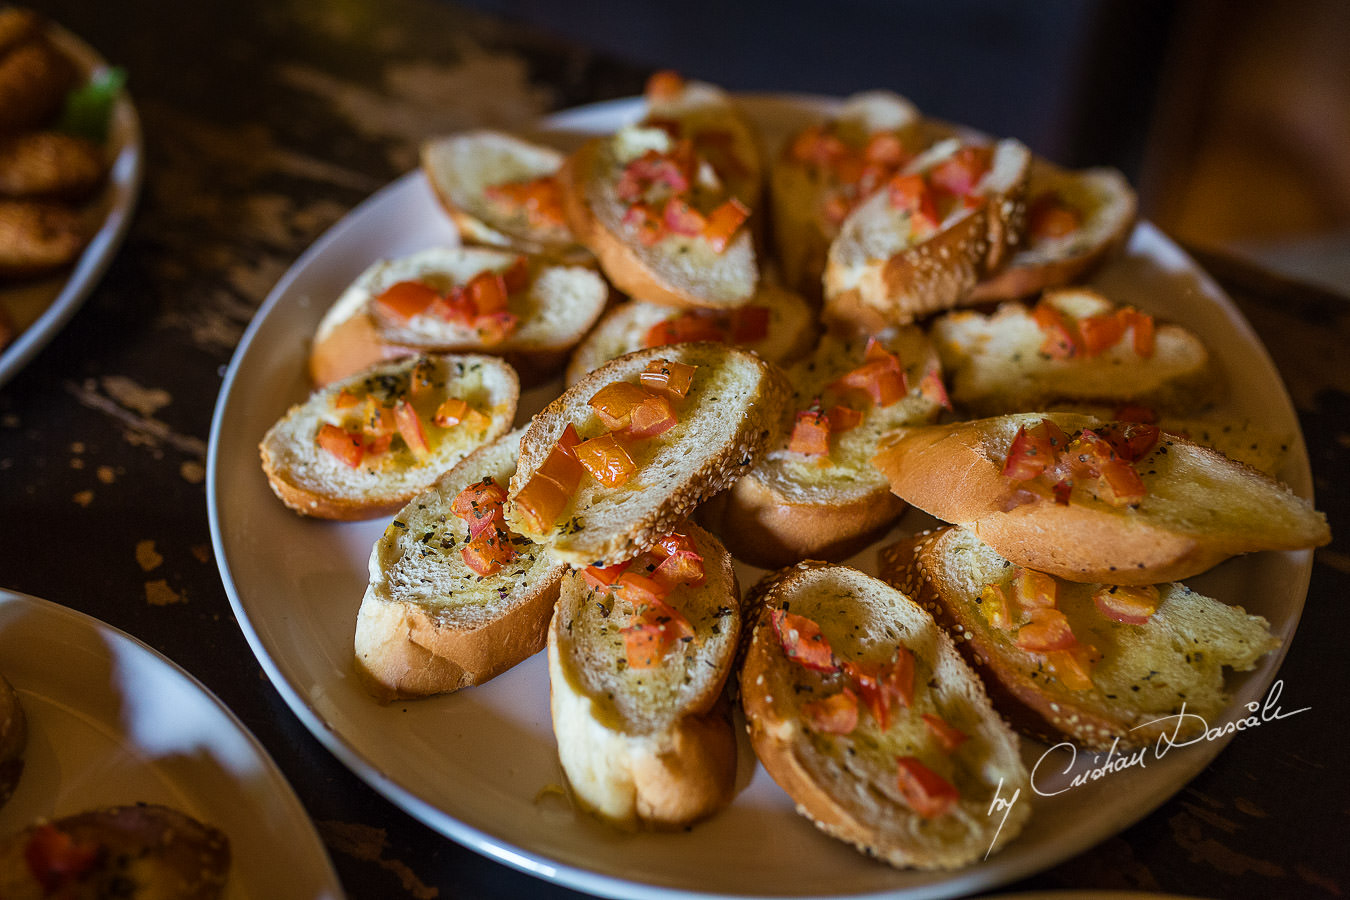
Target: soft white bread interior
(1105, 207)
(1198, 508)
(789, 333)
(996, 362)
(430, 624)
(649, 747)
(884, 269)
(1145, 675)
(467, 171)
(13, 739)
(314, 482)
(734, 411)
(793, 506)
(847, 781)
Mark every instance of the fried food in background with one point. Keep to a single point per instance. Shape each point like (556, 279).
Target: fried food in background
(37, 237)
(34, 76)
(50, 165)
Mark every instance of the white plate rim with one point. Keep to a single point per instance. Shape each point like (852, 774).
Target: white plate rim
(1003, 868)
(284, 816)
(119, 195)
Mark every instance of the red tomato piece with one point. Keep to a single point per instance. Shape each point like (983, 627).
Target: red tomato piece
(1143, 329)
(614, 403)
(403, 300)
(540, 199)
(665, 85)
(835, 714)
(653, 416)
(750, 324)
(644, 644)
(843, 418)
(816, 145)
(961, 173)
(1073, 667)
(489, 551)
(685, 328)
(681, 218)
(885, 148)
(996, 607)
(802, 641)
(56, 859)
(1131, 441)
(480, 505)
(948, 736)
(1048, 629)
(345, 446)
(911, 194)
(1028, 456)
(450, 413)
(410, 429)
(881, 685)
(1061, 342)
(606, 459)
(1127, 604)
(932, 389)
(1035, 590)
(723, 223)
(1049, 217)
(810, 434)
(603, 576)
(672, 379)
(1100, 333)
(926, 791)
(683, 567)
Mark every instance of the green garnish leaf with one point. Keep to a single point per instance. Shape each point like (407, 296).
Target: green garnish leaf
(88, 109)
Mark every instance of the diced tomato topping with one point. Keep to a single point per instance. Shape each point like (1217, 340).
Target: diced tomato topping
(1134, 412)
(749, 324)
(604, 576)
(679, 217)
(932, 389)
(1122, 484)
(1048, 629)
(1073, 667)
(1035, 590)
(1100, 333)
(545, 495)
(56, 859)
(683, 567)
(667, 377)
(606, 459)
(539, 198)
(494, 328)
(664, 85)
(1027, 456)
(647, 223)
(345, 399)
(802, 641)
(962, 172)
(516, 276)
(376, 418)
(672, 172)
(1126, 604)
(614, 403)
(654, 628)
(675, 542)
(910, 193)
(881, 685)
(885, 148)
(480, 505)
(835, 714)
(843, 418)
(487, 290)
(948, 736)
(489, 551)
(1060, 340)
(995, 606)
(410, 429)
(403, 300)
(652, 417)
(926, 791)
(1131, 440)
(345, 446)
(815, 145)
(811, 433)
(880, 377)
(1143, 330)
(638, 589)
(723, 222)
(684, 328)
(1049, 217)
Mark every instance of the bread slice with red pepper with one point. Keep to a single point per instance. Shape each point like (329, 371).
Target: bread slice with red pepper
(1076, 221)
(139, 852)
(1074, 346)
(1095, 664)
(501, 190)
(362, 447)
(13, 739)
(921, 244)
(638, 658)
(454, 598)
(1094, 501)
(777, 324)
(865, 714)
(815, 495)
(459, 299)
(631, 449)
(664, 203)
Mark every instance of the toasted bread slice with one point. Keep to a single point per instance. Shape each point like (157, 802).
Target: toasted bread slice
(788, 332)
(734, 411)
(845, 775)
(1076, 220)
(794, 506)
(998, 362)
(13, 739)
(553, 309)
(1135, 676)
(649, 747)
(886, 268)
(1198, 507)
(377, 470)
(429, 623)
(140, 852)
(501, 190)
(644, 256)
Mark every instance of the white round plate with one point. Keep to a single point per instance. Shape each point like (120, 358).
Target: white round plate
(41, 307)
(113, 722)
(481, 765)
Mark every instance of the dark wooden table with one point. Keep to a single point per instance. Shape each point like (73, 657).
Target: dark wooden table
(265, 123)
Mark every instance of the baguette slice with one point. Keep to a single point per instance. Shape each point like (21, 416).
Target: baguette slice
(428, 623)
(792, 506)
(880, 273)
(314, 482)
(647, 747)
(629, 326)
(734, 411)
(676, 269)
(997, 361)
(557, 306)
(141, 852)
(848, 783)
(1199, 506)
(13, 739)
(467, 172)
(1102, 204)
(1146, 674)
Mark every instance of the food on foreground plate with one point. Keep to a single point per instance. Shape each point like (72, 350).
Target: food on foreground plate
(631, 449)
(459, 299)
(1076, 221)
(1094, 501)
(13, 739)
(137, 852)
(364, 446)
(663, 204)
(920, 245)
(1074, 346)
(815, 495)
(502, 191)
(862, 710)
(1097, 664)
(638, 657)
(454, 598)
